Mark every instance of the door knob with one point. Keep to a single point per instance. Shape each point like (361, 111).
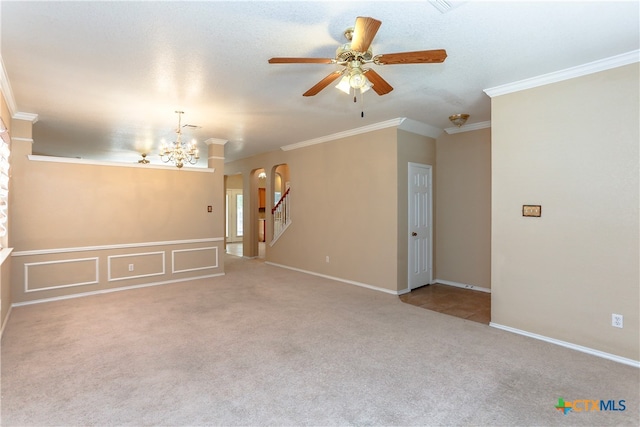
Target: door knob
(414, 234)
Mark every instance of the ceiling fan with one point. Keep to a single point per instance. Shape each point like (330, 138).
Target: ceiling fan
(354, 54)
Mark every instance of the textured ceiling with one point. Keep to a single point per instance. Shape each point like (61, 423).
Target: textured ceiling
(105, 78)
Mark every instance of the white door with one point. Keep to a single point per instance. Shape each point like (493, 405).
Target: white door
(420, 226)
(234, 216)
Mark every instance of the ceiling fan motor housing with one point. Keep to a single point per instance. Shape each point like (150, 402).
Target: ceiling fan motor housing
(344, 53)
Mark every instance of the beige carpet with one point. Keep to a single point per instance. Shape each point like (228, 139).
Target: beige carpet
(268, 346)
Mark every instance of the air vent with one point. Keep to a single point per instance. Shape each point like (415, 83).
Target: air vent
(445, 6)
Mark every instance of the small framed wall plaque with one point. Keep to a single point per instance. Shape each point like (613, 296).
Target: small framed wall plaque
(532, 210)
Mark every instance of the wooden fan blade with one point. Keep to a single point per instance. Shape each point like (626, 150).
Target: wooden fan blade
(380, 85)
(301, 61)
(363, 33)
(418, 57)
(323, 83)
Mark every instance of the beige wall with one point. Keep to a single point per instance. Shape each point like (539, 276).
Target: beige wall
(571, 147)
(77, 227)
(234, 182)
(463, 208)
(344, 205)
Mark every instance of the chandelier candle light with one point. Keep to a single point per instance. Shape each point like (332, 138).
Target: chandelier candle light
(179, 152)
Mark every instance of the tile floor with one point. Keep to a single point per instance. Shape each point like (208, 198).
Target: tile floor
(236, 249)
(459, 302)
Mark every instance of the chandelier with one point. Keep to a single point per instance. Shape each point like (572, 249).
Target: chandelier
(179, 152)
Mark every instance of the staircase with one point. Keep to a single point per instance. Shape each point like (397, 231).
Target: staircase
(281, 216)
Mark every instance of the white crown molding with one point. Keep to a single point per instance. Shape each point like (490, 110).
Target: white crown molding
(569, 73)
(468, 128)
(52, 159)
(402, 123)
(6, 88)
(344, 134)
(5, 85)
(28, 117)
(216, 141)
(420, 128)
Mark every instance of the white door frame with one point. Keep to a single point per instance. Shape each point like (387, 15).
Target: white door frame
(427, 278)
(232, 210)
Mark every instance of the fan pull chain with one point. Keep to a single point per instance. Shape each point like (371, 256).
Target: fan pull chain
(362, 103)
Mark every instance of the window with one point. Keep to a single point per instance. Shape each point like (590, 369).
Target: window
(239, 224)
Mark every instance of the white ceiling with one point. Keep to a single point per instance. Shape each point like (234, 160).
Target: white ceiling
(104, 78)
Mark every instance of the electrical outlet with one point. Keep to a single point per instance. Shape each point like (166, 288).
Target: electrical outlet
(130, 267)
(617, 320)
(327, 258)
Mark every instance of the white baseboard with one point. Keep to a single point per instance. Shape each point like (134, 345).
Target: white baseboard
(598, 353)
(338, 279)
(462, 285)
(106, 291)
(6, 320)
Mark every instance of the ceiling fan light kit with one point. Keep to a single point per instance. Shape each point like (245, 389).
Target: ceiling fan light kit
(356, 77)
(354, 54)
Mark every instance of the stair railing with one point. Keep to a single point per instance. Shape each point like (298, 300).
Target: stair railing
(281, 213)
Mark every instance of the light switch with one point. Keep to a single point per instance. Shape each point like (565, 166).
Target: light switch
(532, 210)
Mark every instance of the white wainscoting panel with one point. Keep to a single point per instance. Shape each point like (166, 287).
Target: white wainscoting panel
(60, 269)
(181, 262)
(134, 257)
